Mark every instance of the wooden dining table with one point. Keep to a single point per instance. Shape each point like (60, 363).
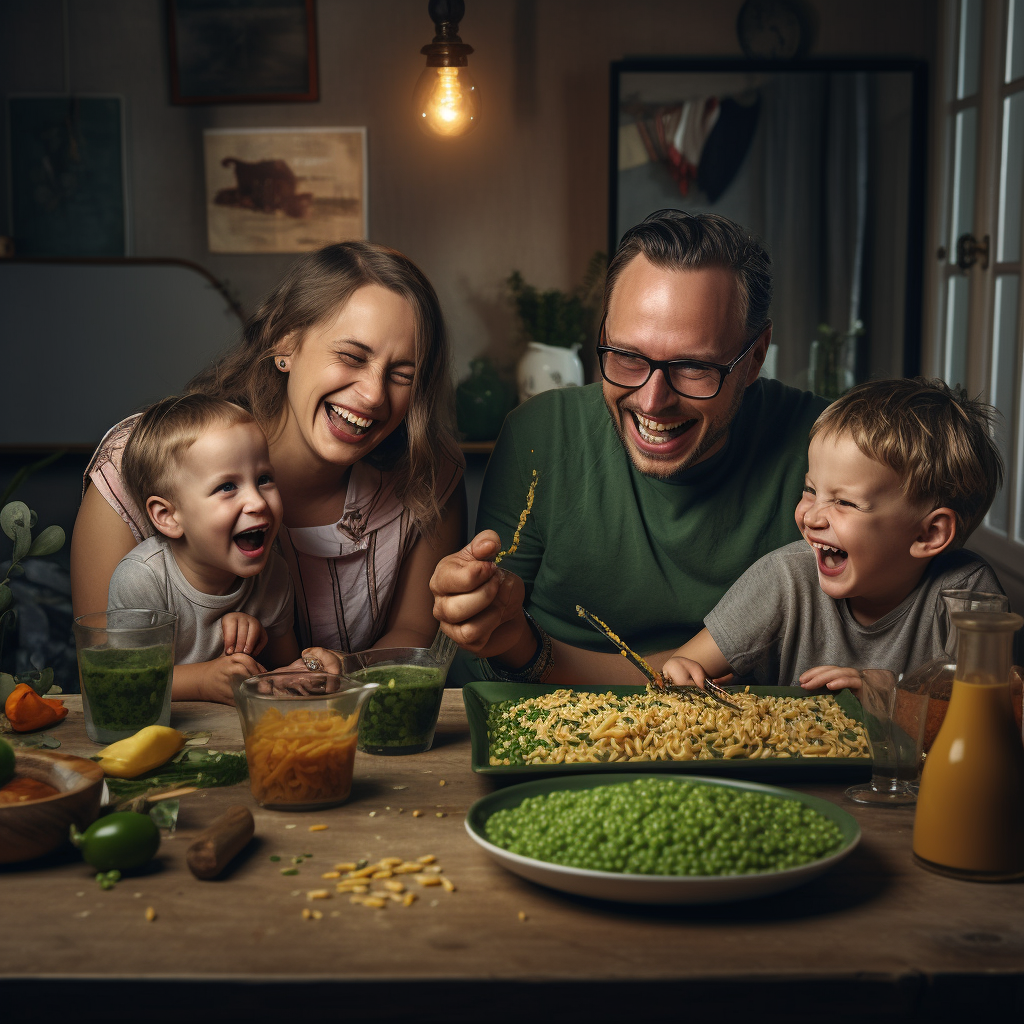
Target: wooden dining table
(875, 939)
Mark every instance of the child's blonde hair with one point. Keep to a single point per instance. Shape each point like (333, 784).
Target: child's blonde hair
(162, 435)
(936, 439)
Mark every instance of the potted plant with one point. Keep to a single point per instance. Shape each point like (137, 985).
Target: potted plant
(17, 521)
(556, 325)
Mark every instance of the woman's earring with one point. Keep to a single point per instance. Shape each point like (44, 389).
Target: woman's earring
(282, 363)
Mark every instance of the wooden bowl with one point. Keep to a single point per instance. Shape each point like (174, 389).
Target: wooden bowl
(38, 827)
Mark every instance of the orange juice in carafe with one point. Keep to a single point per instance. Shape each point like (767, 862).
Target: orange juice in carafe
(970, 810)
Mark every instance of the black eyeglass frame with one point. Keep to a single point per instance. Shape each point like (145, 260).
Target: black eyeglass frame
(723, 369)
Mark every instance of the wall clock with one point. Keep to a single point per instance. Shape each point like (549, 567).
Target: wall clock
(774, 29)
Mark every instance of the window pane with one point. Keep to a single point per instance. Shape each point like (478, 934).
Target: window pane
(969, 51)
(964, 155)
(1004, 362)
(957, 309)
(1011, 179)
(1015, 41)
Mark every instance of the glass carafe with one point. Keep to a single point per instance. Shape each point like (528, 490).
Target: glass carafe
(932, 682)
(970, 809)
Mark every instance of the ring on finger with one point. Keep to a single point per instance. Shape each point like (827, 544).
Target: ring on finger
(313, 664)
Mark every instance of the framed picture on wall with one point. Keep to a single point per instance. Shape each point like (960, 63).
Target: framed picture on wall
(67, 177)
(242, 51)
(284, 189)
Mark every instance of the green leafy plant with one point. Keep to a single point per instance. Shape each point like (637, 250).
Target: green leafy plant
(17, 521)
(555, 317)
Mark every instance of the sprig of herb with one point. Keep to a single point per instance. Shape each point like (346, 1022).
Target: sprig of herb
(200, 768)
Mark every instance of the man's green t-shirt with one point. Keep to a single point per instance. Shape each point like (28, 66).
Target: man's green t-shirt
(650, 557)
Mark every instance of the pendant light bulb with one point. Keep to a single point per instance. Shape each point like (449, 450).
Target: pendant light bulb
(446, 101)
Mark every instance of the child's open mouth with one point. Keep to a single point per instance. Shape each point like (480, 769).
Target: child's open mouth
(345, 420)
(831, 560)
(250, 542)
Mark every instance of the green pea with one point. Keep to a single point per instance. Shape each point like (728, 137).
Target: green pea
(665, 827)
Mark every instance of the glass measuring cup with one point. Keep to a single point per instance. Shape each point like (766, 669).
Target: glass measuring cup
(300, 732)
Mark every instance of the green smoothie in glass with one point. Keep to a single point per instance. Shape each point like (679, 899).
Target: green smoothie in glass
(400, 717)
(126, 688)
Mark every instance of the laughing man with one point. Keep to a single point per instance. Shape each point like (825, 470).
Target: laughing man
(657, 487)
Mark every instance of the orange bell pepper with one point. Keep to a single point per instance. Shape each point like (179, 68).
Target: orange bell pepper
(27, 711)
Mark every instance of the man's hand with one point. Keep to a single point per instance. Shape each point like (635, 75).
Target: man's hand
(243, 634)
(479, 605)
(832, 677)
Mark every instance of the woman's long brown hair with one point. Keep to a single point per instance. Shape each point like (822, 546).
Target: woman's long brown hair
(424, 447)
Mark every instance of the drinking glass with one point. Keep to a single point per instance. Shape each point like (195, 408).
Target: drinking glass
(402, 714)
(895, 721)
(125, 664)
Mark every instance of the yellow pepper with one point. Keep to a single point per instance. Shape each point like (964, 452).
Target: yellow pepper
(147, 749)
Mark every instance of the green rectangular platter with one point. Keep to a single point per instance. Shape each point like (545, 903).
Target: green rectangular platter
(478, 696)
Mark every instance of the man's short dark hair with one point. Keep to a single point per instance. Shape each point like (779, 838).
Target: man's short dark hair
(681, 241)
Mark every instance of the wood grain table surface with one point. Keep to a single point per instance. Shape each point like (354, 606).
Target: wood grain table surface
(875, 938)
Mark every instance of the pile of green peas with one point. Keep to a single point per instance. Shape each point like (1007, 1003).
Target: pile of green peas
(665, 827)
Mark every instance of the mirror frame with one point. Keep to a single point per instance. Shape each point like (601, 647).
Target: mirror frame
(917, 174)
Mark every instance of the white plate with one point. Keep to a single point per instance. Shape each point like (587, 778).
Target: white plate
(614, 885)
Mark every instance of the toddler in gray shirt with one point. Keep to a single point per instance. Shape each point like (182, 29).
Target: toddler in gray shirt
(200, 468)
(900, 473)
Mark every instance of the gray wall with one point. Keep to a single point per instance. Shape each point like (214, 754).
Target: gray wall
(528, 190)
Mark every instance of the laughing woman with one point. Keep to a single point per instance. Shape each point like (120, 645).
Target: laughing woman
(346, 368)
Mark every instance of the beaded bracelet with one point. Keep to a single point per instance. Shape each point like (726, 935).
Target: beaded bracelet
(537, 669)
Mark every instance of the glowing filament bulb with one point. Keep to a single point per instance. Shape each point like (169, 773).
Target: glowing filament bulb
(447, 102)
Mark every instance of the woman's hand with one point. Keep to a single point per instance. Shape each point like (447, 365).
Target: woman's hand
(329, 661)
(479, 605)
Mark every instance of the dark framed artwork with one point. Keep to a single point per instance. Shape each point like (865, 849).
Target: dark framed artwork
(242, 51)
(284, 189)
(67, 176)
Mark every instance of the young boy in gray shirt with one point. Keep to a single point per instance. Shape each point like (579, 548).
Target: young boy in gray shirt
(900, 473)
(200, 468)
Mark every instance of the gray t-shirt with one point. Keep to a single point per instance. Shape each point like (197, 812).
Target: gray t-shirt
(149, 577)
(775, 622)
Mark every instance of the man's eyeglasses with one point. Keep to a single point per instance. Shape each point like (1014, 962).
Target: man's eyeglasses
(687, 377)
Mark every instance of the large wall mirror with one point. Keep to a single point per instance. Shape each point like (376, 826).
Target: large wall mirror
(824, 161)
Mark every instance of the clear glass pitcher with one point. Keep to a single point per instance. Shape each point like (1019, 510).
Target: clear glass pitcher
(932, 682)
(969, 821)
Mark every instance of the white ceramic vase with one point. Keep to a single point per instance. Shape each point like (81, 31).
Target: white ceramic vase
(543, 367)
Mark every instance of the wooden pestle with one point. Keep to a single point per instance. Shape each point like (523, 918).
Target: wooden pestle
(217, 846)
